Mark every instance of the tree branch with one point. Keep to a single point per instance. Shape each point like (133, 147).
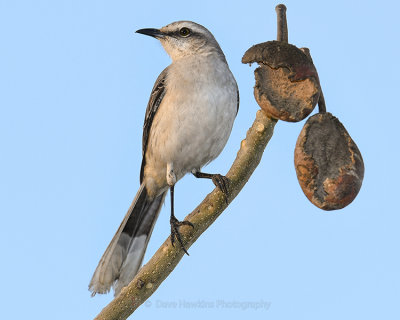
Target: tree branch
(164, 261)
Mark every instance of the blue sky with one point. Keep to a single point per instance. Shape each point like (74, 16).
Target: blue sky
(74, 85)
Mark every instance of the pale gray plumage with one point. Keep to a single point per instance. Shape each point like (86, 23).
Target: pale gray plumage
(188, 121)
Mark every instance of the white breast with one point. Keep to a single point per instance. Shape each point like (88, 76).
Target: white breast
(196, 116)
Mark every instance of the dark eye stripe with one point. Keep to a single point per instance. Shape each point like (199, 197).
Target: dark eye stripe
(176, 34)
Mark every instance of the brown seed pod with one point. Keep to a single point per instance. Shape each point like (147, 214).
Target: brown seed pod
(287, 86)
(329, 166)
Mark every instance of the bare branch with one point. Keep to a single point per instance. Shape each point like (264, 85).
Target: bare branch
(151, 275)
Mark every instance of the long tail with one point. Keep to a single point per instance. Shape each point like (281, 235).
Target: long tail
(124, 255)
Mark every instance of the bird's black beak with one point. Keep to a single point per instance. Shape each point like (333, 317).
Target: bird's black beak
(155, 33)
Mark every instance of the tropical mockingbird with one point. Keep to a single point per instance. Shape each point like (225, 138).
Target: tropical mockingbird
(188, 121)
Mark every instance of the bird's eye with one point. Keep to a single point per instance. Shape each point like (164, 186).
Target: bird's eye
(185, 32)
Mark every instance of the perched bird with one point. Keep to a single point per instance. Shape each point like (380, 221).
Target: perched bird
(188, 121)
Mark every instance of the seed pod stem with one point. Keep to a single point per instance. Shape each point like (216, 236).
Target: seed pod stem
(321, 103)
(321, 100)
(282, 34)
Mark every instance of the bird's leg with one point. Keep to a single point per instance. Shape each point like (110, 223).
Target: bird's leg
(175, 223)
(219, 180)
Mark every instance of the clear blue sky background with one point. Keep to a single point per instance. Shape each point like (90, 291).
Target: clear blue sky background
(74, 84)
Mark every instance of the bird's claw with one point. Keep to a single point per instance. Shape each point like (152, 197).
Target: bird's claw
(222, 183)
(175, 224)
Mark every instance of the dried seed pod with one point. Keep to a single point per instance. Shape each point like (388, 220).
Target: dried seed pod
(329, 166)
(287, 86)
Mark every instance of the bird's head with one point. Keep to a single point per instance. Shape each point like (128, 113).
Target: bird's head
(185, 38)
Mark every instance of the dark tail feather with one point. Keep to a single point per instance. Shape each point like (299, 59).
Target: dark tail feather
(124, 255)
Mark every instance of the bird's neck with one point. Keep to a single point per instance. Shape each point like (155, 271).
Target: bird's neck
(208, 57)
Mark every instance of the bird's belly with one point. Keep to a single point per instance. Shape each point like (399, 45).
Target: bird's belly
(189, 134)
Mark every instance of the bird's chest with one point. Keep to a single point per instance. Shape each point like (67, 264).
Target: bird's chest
(195, 118)
(201, 94)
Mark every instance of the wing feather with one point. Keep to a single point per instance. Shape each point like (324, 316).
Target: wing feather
(157, 94)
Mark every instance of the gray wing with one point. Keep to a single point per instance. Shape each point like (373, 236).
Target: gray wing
(157, 94)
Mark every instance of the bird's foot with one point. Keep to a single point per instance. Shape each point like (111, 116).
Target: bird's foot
(175, 224)
(222, 183)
